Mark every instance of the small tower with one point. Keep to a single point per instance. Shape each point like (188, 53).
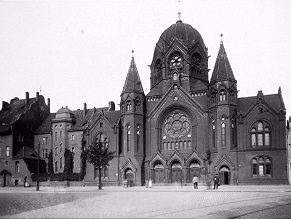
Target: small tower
(132, 108)
(63, 121)
(222, 104)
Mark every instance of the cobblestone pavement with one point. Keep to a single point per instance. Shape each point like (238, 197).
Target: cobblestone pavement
(141, 202)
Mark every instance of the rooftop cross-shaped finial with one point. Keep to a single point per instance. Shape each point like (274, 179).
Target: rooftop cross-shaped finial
(132, 51)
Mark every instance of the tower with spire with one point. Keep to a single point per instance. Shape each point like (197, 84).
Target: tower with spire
(132, 106)
(222, 101)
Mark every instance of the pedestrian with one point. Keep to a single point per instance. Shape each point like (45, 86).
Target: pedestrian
(216, 181)
(195, 182)
(208, 182)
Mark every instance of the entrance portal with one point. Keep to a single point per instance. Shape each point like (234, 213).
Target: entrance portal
(159, 176)
(224, 175)
(176, 172)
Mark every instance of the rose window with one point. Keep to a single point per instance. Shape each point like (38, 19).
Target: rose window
(177, 125)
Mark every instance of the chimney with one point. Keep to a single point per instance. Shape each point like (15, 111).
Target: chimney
(37, 96)
(85, 109)
(111, 106)
(26, 98)
(49, 103)
(4, 104)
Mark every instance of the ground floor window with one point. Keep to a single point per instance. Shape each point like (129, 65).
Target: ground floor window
(104, 172)
(261, 166)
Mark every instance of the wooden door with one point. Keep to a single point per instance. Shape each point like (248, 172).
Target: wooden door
(159, 175)
(176, 175)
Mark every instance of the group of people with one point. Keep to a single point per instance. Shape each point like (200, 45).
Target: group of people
(208, 181)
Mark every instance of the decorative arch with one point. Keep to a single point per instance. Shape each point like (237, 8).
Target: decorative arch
(224, 161)
(176, 156)
(194, 156)
(158, 157)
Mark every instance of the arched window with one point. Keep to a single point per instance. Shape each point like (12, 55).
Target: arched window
(122, 106)
(158, 71)
(260, 134)
(101, 138)
(213, 98)
(138, 134)
(128, 105)
(213, 133)
(222, 95)
(7, 151)
(176, 63)
(261, 166)
(232, 96)
(223, 133)
(137, 105)
(128, 140)
(197, 64)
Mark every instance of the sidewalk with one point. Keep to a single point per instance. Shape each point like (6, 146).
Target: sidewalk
(223, 188)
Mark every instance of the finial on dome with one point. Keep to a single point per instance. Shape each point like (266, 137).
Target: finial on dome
(221, 35)
(132, 51)
(179, 12)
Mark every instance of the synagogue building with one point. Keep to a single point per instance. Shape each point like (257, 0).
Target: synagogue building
(190, 123)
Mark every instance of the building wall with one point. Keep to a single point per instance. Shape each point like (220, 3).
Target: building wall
(74, 145)
(45, 146)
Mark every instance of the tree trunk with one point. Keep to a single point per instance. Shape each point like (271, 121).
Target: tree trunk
(99, 178)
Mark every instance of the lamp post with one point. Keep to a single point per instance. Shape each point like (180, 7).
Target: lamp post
(37, 176)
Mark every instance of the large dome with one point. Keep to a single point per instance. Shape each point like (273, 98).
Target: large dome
(183, 32)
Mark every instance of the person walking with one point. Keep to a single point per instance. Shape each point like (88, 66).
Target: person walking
(216, 181)
(195, 182)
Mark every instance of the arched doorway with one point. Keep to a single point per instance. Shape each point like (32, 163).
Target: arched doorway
(128, 174)
(159, 172)
(176, 172)
(224, 175)
(6, 179)
(194, 169)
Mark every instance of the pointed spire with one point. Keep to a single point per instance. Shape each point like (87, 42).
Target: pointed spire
(132, 82)
(222, 69)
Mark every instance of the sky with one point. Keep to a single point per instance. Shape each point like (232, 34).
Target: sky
(77, 52)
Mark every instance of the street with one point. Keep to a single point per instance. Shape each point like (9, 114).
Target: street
(141, 202)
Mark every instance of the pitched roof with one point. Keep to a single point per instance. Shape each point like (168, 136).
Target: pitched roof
(46, 126)
(273, 100)
(132, 82)
(222, 70)
(113, 116)
(80, 120)
(12, 112)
